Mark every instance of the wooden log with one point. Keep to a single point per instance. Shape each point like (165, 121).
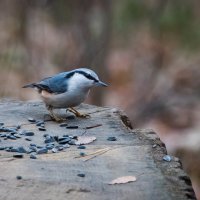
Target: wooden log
(59, 175)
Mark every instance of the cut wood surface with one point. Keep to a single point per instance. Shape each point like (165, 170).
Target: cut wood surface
(137, 153)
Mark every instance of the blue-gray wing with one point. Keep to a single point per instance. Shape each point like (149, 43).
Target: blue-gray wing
(56, 84)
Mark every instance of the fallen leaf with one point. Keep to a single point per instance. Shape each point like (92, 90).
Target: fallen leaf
(85, 140)
(123, 179)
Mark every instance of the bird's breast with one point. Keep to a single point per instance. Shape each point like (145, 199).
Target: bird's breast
(64, 100)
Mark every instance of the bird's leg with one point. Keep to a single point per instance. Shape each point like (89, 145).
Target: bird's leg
(52, 114)
(78, 114)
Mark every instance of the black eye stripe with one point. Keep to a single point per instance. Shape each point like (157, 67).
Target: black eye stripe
(83, 73)
(87, 75)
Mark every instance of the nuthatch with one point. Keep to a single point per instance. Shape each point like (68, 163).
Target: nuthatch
(66, 89)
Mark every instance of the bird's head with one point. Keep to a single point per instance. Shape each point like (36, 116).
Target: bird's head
(85, 78)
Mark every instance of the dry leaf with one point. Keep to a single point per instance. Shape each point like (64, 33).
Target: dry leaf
(85, 140)
(123, 179)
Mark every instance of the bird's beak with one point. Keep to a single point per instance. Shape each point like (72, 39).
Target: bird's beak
(100, 83)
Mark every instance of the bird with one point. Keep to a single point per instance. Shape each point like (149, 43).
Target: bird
(66, 90)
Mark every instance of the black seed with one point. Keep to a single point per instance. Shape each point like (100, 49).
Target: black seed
(45, 135)
(82, 154)
(42, 150)
(49, 140)
(18, 177)
(3, 135)
(56, 138)
(30, 119)
(42, 129)
(12, 137)
(29, 133)
(81, 147)
(64, 141)
(60, 148)
(50, 146)
(28, 139)
(54, 150)
(72, 142)
(33, 148)
(12, 133)
(72, 127)
(14, 150)
(21, 150)
(22, 132)
(63, 125)
(18, 126)
(17, 136)
(39, 123)
(70, 117)
(33, 156)
(81, 175)
(63, 138)
(2, 148)
(66, 146)
(74, 137)
(18, 156)
(112, 138)
(33, 145)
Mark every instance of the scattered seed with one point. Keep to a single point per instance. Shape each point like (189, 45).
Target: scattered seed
(18, 155)
(41, 129)
(112, 138)
(65, 146)
(72, 142)
(18, 126)
(33, 156)
(39, 147)
(72, 127)
(81, 147)
(39, 123)
(17, 136)
(45, 135)
(63, 125)
(167, 158)
(11, 137)
(22, 150)
(81, 175)
(30, 119)
(28, 139)
(42, 150)
(33, 145)
(28, 133)
(70, 117)
(2, 148)
(82, 154)
(18, 177)
(50, 146)
(49, 139)
(14, 150)
(54, 150)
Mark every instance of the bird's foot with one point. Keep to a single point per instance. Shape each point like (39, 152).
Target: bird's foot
(57, 119)
(78, 114)
(53, 116)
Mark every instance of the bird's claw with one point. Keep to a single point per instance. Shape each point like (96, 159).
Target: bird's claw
(78, 114)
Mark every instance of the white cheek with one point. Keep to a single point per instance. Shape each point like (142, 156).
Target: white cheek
(79, 82)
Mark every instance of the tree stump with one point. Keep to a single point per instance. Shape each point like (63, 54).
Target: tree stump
(74, 173)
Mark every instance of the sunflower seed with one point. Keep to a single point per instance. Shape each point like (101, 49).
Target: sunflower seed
(18, 155)
(30, 119)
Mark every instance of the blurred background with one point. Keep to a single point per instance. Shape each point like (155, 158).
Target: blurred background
(147, 50)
